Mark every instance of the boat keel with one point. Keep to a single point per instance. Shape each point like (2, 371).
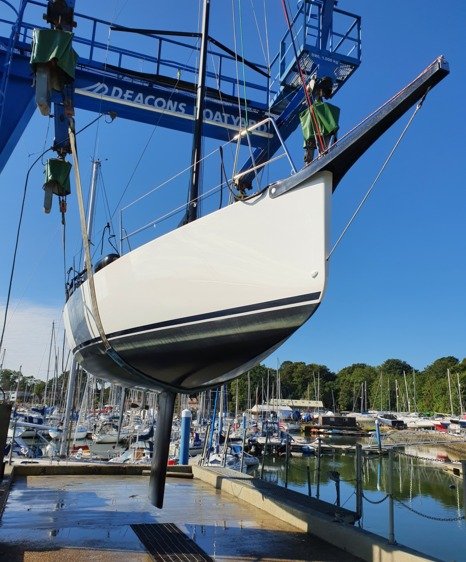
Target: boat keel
(163, 430)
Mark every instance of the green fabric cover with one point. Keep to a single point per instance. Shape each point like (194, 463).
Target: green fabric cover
(327, 117)
(57, 176)
(50, 44)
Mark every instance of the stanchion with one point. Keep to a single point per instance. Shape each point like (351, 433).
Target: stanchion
(359, 481)
(244, 442)
(68, 408)
(335, 476)
(463, 470)
(12, 441)
(287, 458)
(225, 447)
(264, 453)
(391, 511)
(309, 491)
(319, 441)
(5, 416)
(206, 445)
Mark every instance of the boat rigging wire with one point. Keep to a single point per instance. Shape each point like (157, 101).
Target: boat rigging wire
(116, 15)
(162, 113)
(384, 165)
(243, 67)
(266, 58)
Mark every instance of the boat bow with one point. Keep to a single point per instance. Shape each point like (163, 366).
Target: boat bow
(342, 155)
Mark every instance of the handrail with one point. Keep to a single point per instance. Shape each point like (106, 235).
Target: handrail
(179, 209)
(163, 44)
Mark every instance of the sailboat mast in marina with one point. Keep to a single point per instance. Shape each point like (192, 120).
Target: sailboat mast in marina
(209, 299)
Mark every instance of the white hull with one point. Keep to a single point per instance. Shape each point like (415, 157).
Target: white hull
(203, 303)
(104, 439)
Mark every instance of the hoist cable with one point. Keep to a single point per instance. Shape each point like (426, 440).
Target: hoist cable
(15, 252)
(64, 254)
(18, 232)
(364, 199)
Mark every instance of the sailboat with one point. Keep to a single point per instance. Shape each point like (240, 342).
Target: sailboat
(131, 318)
(137, 323)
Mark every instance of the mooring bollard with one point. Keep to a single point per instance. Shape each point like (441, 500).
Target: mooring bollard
(378, 435)
(184, 439)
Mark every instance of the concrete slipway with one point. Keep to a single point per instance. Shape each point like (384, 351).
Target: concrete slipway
(70, 512)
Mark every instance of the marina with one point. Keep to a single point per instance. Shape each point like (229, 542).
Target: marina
(159, 429)
(423, 468)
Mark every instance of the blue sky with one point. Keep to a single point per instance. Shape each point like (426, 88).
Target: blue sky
(397, 280)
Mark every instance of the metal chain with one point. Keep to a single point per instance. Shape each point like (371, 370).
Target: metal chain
(299, 469)
(432, 517)
(375, 502)
(430, 459)
(446, 440)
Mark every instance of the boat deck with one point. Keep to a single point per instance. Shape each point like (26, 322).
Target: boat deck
(53, 517)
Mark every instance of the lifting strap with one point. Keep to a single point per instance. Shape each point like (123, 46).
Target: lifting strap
(85, 238)
(138, 375)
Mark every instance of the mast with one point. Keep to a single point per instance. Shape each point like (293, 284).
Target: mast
(459, 394)
(52, 337)
(449, 392)
(91, 205)
(196, 155)
(408, 402)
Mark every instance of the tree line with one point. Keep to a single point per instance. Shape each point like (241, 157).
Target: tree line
(393, 385)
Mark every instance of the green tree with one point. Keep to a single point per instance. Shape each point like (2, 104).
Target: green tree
(350, 384)
(434, 395)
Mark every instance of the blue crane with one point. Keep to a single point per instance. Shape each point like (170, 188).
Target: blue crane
(321, 40)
